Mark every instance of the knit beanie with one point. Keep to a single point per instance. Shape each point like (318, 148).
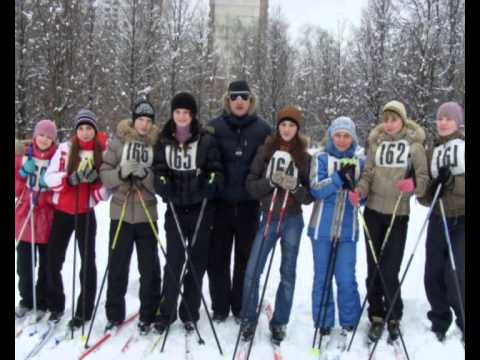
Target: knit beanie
(398, 108)
(85, 116)
(46, 127)
(238, 86)
(143, 107)
(453, 111)
(290, 113)
(184, 100)
(343, 123)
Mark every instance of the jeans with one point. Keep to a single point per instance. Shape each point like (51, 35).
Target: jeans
(290, 235)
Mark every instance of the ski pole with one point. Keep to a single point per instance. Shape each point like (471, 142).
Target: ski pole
(32, 247)
(77, 198)
(18, 201)
(277, 235)
(167, 265)
(114, 242)
(452, 263)
(184, 270)
(27, 218)
(379, 272)
(257, 264)
(194, 274)
(397, 292)
(335, 233)
(84, 261)
(370, 285)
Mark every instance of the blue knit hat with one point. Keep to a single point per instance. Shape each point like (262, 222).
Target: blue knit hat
(343, 123)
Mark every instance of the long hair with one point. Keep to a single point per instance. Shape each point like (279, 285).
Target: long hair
(74, 156)
(298, 148)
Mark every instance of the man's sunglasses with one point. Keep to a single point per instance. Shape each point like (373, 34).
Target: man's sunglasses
(244, 95)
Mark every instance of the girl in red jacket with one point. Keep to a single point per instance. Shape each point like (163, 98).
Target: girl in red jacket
(73, 177)
(31, 161)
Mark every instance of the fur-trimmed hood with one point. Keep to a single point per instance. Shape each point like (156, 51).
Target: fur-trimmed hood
(127, 133)
(412, 132)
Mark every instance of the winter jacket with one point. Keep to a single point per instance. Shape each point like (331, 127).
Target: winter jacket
(390, 159)
(42, 197)
(261, 188)
(448, 150)
(326, 187)
(128, 144)
(238, 140)
(64, 195)
(187, 167)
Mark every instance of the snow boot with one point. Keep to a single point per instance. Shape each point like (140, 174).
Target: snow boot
(278, 333)
(393, 330)
(376, 329)
(325, 331)
(247, 330)
(143, 328)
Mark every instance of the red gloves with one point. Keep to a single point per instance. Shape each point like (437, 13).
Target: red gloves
(354, 197)
(405, 185)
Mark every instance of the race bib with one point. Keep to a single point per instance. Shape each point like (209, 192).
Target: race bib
(139, 152)
(281, 161)
(393, 154)
(33, 180)
(451, 154)
(180, 159)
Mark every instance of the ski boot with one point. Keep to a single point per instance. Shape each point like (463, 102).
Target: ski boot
(143, 328)
(393, 330)
(189, 326)
(75, 323)
(160, 326)
(55, 316)
(247, 331)
(219, 318)
(278, 333)
(376, 329)
(112, 324)
(21, 311)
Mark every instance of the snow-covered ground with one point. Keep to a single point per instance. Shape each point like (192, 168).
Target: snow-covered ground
(421, 344)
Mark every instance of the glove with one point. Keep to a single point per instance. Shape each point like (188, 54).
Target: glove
(140, 172)
(405, 185)
(92, 177)
(347, 174)
(164, 188)
(75, 178)
(289, 182)
(354, 197)
(276, 178)
(445, 178)
(27, 168)
(128, 168)
(211, 188)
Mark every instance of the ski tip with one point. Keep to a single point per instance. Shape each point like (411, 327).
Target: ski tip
(83, 339)
(315, 352)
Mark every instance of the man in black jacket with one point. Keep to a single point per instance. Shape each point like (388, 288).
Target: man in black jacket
(239, 132)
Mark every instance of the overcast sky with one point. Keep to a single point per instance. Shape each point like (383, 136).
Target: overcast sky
(325, 13)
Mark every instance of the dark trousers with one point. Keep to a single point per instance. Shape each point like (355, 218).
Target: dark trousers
(176, 258)
(237, 221)
(439, 276)
(62, 228)
(390, 262)
(119, 265)
(24, 271)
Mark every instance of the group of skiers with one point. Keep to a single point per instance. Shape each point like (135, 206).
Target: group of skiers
(238, 183)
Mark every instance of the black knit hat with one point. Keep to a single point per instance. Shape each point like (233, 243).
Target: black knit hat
(238, 86)
(143, 107)
(184, 100)
(85, 116)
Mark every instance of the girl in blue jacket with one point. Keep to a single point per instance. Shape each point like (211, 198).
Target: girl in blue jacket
(335, 168)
